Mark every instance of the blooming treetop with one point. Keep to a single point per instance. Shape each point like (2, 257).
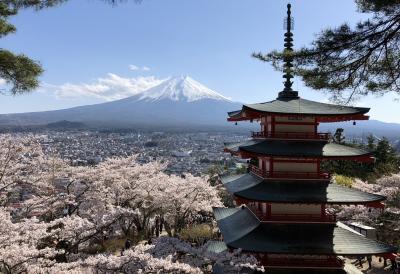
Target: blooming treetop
(52, 214)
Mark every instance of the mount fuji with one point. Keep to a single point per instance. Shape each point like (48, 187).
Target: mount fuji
(181, 88)
(177, 102)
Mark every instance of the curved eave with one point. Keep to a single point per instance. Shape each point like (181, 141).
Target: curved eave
(315, 239)
(297, 149)
(216, 247)
(241, 229)
(235, 114)
(252, 108)
(253, 188)
(324, 112)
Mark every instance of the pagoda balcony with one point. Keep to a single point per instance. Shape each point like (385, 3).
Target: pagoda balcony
(327, 218)
(292, 135)
(312, 218)
(289, 174)
(258, 171)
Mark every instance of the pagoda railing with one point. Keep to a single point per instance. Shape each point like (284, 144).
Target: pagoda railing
(289, 174)
(304, 262)
(298, 175)
(258, 171)
(302, 217)
(291, 135)
(327, 218)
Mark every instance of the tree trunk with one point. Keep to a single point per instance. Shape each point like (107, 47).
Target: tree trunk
(168, 229)
(157, 227)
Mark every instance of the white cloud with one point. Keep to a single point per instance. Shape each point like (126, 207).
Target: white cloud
(111, 87)
(2, 82)
(136, 68)
(133, 67)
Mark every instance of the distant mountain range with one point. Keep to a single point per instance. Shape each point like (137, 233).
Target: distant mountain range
(362, 128)
(176, 103)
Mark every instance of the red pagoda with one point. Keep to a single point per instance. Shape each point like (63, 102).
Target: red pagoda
(283, 216)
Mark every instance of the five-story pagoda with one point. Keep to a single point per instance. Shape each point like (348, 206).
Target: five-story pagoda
(282, 216)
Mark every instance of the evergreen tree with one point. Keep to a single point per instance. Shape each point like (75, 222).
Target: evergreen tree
(339, 137)
(16, 69)
(362, 59)
(387, 161)
(19, 71)
(371, 142)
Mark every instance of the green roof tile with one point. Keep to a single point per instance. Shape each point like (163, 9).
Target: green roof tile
(294, 148)
(216, 246)
(252, 187)
(241, 230)
(300, 106)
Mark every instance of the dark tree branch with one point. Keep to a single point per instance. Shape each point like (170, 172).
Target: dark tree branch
(362, 60)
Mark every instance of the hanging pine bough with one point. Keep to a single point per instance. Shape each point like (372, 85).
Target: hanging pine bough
(351, 61)
(21, 73)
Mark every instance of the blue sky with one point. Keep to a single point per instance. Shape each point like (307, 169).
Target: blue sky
(87, 45)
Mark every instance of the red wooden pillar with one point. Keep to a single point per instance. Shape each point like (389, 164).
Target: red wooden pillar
(271, 167)
(323, 211)
(261, 125)
(315, 126)
(273, 126)
(268, 211)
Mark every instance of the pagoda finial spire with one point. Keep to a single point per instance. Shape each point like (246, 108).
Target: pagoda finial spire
(288, 92)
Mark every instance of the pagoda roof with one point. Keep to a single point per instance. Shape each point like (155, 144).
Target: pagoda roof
(295, 148)
(216, 246)
(298, 106)
(240, 228)
(252, 187)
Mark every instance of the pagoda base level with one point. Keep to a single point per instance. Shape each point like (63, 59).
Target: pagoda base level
(303, 271)
(302, 267)
(301, 262)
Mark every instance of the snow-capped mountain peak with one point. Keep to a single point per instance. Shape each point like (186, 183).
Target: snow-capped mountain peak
(180, 88)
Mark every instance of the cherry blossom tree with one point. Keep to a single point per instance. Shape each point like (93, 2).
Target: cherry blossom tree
(20, 244)
(24, 166)
(164, 255)
(144, 194)
(52, 214)
(386, 222)
(388, 186)
(184, 199)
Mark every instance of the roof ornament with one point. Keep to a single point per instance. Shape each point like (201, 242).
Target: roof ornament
(288, 92)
